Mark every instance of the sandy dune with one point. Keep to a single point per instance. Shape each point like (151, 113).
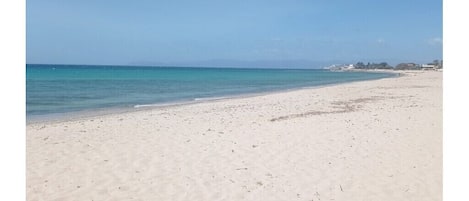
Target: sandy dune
(372, 140)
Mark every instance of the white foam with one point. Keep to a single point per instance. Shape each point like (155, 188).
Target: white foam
(211, 98)
(177, 103)
(147, 105)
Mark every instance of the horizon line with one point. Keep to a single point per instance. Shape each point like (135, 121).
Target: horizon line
(181, 66)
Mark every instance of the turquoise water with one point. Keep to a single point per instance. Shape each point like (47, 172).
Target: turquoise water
(54, 89)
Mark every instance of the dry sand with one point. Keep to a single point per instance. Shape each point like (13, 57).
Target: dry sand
(372, 140)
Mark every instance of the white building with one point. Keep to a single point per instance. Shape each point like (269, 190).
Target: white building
(428, 66)
(349, 67)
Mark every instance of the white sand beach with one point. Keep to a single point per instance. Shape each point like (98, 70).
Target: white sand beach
(370, 140)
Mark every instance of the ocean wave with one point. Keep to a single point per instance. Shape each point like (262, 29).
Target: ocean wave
(209, 98)
(181, 102)
(147, 105)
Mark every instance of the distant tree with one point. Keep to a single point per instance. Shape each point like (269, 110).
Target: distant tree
(382, 65)
(360, 65)
(407, 66)
(401, 66)
(437, 63)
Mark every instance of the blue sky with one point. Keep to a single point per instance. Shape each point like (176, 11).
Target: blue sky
(233, 33)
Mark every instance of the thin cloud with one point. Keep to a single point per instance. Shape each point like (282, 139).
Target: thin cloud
(435, 41)
(276, 39)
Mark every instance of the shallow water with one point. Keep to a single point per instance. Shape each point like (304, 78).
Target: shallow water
(61, 89)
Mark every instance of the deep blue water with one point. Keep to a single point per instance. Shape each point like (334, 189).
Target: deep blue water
(52, 89)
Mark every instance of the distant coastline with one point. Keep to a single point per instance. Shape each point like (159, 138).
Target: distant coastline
(435, 65)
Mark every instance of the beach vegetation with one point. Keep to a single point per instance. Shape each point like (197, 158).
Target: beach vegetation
(382, 65)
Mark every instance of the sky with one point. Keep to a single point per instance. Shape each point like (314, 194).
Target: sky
(305, 34)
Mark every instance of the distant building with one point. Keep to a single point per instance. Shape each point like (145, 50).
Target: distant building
(340, 67)
(429, 66)
(349, 67)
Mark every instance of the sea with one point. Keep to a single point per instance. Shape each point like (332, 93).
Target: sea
(56, 91)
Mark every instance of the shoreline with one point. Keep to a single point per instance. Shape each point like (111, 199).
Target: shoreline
(367, 140)
(96, 112)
